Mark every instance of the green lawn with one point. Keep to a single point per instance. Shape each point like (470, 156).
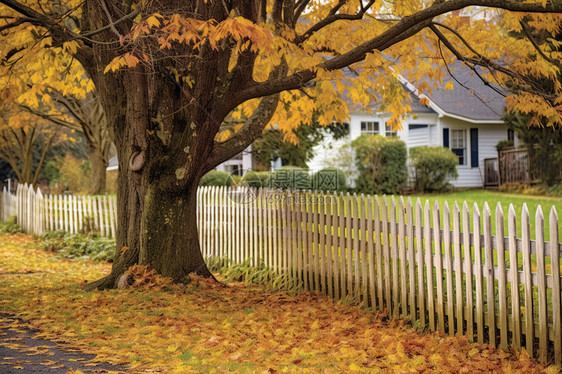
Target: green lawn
(504, 198)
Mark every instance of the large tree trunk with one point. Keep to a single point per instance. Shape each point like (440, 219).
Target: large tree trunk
(164, 132)
(158, 177)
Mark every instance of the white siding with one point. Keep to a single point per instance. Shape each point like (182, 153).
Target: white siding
(488, 136)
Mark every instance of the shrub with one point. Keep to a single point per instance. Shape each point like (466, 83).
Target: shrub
(381, 162)
(73, 174)
(290, 177)
(555, 190)
(256, 179)
(216, 178)
(504, 144)
(435, 167)
(10, 226)
(329, 179)
(79, 246)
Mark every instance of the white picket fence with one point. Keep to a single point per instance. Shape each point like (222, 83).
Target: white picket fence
(416, 262)
(425, 263)
(37, 213)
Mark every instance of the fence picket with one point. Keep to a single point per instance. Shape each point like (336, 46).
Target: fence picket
(458, 269)
(528, 286)
(411, 259)
(402, 257)
(429, 265)
(478, 283)
(378, 250)
(420, 260)
(449, 268)
(514, 278)
(355, 250)
(489, 274)
(371, 253)
(342, 241)
(363, 251)
(348, 245)
(393, 258)
(541, 277)
(468, 271)
(330, 244)
(555, 270)
(438, 264)
(321, 249)
(502, 281)
(313, 256)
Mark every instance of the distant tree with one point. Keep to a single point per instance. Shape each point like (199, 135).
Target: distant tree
(544, 145)
(298, 150)
(85, 116)
(25, 141)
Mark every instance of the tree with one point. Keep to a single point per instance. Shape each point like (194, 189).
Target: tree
(169, 73)
(543, 144)
(50, 84)
(87, 117)
(297, 151)
(25, 141)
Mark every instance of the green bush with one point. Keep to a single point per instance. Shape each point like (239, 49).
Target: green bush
(290, 177)
(329, 179)
(10, 226)
(555, 190)
(216, 178)
(504, 144)
(79, 246)
(435, 167)
(256, 179)
(381, 162)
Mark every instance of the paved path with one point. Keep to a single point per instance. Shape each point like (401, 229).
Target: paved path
(21, 353)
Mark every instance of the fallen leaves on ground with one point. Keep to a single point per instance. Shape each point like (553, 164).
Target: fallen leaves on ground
(205, 327)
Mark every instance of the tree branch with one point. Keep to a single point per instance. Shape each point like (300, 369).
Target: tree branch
(402, 30)
(331, 18)
(483, 61)
(534, 42)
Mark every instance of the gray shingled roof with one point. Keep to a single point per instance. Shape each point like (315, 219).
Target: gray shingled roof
(469, 98)
(483, 103)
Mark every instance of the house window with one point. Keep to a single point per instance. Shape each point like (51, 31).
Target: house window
(389, 131)
(369, 127)
(510, 135)
(458, 145)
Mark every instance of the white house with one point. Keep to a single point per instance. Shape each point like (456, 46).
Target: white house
(237, 165)
(466, 119)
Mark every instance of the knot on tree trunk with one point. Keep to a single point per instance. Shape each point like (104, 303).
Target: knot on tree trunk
(136, 161)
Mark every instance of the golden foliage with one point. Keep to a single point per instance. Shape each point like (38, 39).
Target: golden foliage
(206, 327)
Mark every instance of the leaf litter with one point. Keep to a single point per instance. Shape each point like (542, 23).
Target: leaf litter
(157, 326)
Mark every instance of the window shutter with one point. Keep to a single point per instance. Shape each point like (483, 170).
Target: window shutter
(474, 148)
(446, 138)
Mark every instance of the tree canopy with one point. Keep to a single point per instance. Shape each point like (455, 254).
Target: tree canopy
(174, 76)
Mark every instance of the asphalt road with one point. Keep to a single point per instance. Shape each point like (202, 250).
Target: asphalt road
(21, 353)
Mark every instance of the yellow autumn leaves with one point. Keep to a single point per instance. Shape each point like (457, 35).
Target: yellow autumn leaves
(205, 327)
